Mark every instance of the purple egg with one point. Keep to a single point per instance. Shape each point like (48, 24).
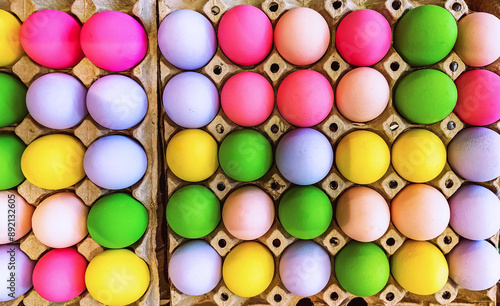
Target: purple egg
(304, 156)
(115, 162)
(475, 212)
(16, 269)
(474, 154)
(474, 265)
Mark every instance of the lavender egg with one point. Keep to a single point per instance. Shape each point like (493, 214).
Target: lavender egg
(16, 269)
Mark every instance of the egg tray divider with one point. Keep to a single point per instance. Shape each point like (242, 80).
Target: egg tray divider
(146, 133)
(388, 125)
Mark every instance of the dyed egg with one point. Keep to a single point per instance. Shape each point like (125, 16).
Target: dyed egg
(302, 36)
(52, 39)
(363, 214)
(362, 94)
(117, 102)
(425, 35)
(59, 276)
(187, 39)
(248, 213)
(11, 150)
(12, 99)
(10, 43)
(245, 155)
(16, 268)
(195, 268)
(305, 98)
(362, 157)
(191, 100)
(192, 155)
(478, 97)
(475, 212)
(60, 220)
(15, 214)
(121, 272)
(57, 101)
(305, 212)
(474, 154)
(304, 156)
(425, 96)
(418, 155)
(419, 267)
(363, 37)
(193, 211)
(247, 98)
(362, 268)
(420, 212)
(305, 268)
(115, 162)
(245, 35)
(117, 220)
(113, 41)
(477, 43)
(474, 265)
(248, 269)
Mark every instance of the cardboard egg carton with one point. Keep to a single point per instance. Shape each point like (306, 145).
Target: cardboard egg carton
(146, 133)
(388, 125)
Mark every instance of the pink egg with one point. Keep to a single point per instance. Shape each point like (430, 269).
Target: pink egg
(248, 213)
(245, 35)
(114, 41)
(302, 36)
(362, 94)
(59, 276)
(363, 37)
(15, 214)
(60, 220)
(247, 98)
(52, 38)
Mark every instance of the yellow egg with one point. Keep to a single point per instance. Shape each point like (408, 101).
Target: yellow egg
(248, 269)
(419, 267)
(10, 43)
(192, 155)
(54, 161)
(117, 277)
(418, 155)
(362, 157)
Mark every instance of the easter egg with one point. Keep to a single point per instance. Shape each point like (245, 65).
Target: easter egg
(362, 268)
(248, 269)
(245, 155)
(192, 155)
(15, 216)
(10, 42)
(12, 99)
(193, 211)
(418, 155)
(305, 212)
(195, 268)
(16, 269)
(419, 267)
(11, 150)
(119, 272)
(362, 157)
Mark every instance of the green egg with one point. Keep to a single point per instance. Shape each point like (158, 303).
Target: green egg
(362, 268)
(425, 96)
(193, 211)
(11, 150)
(117, 220)
(12, 100)
(425, 35)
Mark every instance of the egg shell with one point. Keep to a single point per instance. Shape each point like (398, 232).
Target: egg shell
(115, 162)
(16, 269)
(305, 268)
(12, 100)
(195, 268)
(187, 39)
(10, 42)
(59, 276)
(117, 102)
(11, 150)
(15, 216)
(474, 154)
(304, 156)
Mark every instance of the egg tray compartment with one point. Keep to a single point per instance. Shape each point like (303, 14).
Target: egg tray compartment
(146, 133)
(388, 125)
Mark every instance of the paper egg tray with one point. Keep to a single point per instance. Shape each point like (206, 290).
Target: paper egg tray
(388, 125)
(146, 133)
